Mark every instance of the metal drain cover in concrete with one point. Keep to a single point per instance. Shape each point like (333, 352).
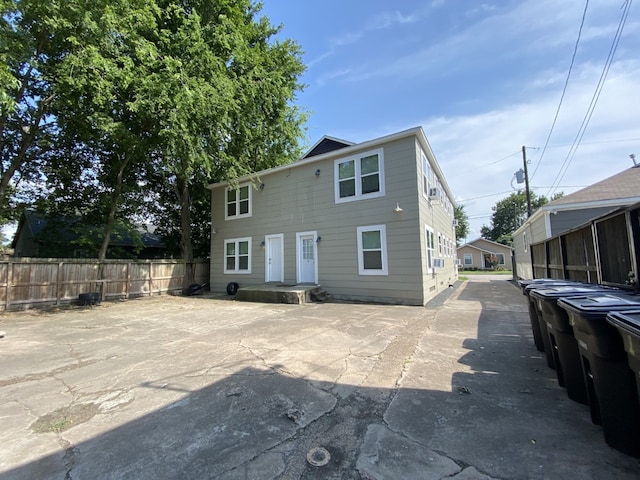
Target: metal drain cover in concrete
(318, 456)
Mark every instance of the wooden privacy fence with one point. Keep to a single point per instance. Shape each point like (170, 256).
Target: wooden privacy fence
(34, 282)
(606, 250)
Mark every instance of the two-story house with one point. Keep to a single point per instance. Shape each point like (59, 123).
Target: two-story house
(371, 221)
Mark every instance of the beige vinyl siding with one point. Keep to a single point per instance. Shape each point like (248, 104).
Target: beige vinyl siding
(535, 232)
(296, 200)
(433, 215)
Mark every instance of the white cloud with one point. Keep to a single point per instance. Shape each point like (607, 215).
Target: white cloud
(474, 144)
(381, 21)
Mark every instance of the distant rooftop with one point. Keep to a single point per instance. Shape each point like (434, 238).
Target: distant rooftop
(625, 184)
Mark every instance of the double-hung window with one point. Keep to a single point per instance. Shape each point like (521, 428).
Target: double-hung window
(468, 259)
(426, 172)
(430, 248)
(372, 250)
(237, 255)
(360, 176)
(501, 259)
(238, 202)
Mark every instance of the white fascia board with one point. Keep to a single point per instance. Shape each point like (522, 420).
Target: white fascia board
(344, 152)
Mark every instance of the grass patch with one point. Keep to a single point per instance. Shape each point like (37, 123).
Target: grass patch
(486, 272)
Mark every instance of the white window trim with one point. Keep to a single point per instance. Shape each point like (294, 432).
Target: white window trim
(466, 256)
(359, 195)
(504, 258)
(226, 204)
(383, 244)
(428, 230)
(426, 176)
(236, 241)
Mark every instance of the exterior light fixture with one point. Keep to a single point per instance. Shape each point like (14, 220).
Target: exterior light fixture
(318, 239)
(262, 244)
(397, 209)
(317, 174)
(261, 186)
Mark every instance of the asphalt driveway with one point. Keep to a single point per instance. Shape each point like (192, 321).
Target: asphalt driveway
(206, 387)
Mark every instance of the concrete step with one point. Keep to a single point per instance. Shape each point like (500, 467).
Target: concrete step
(281, 293)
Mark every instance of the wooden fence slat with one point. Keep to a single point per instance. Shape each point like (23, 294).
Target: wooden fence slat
(30, 282)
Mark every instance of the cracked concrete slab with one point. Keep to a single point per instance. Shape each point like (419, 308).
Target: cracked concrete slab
(205, 387)
(384, 455)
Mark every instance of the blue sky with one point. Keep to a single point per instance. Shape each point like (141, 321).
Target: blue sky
(482, 79)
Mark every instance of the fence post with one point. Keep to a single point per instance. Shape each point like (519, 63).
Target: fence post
(150, 278)
(58, 282)
(128, 279)
(9, 277)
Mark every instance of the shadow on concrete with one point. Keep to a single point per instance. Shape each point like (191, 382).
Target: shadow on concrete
(503, 415)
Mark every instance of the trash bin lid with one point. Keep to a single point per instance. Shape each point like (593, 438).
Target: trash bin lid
(628, 321)
(552, 293)
(526, 289)
(597, 306)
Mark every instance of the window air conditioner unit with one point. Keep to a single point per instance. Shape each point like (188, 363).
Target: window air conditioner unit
(455, 222)
(437, 262)
(434, 194)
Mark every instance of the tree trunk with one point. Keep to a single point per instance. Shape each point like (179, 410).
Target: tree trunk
(111, 218)
(185, 227)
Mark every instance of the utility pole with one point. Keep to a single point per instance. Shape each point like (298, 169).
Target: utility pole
(526, 181)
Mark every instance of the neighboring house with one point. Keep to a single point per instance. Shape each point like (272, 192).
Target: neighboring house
(484, 254)
(38, 236)
(371, 221)
(578, 208)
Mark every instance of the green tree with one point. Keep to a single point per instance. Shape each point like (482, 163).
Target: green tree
(462, 229)
(222, 93)
(32, 41)
(509, 214)
(115, 105)
(97, 110)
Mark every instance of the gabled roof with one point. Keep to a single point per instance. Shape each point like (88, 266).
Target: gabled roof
(64, 229)
(619, 190)
(327, 144)
(418, 132)
(623, 185)
(472, 244)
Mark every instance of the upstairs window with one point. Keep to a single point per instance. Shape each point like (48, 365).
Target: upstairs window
(425, 176)
(238, 202)
(360, 176)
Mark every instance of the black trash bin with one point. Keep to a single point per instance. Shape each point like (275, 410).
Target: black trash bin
(555, 328)
(527, 286)
(603, 359)
(627, 324)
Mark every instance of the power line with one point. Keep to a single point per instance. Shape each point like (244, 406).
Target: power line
(595, 143)
(502, 159)
(566, 82)
(483, 196)
(594, 99)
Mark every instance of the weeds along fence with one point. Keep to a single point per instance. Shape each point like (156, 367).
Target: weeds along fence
(39, 282)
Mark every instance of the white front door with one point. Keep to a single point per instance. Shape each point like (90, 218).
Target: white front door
(274, 258)
(306, 253)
